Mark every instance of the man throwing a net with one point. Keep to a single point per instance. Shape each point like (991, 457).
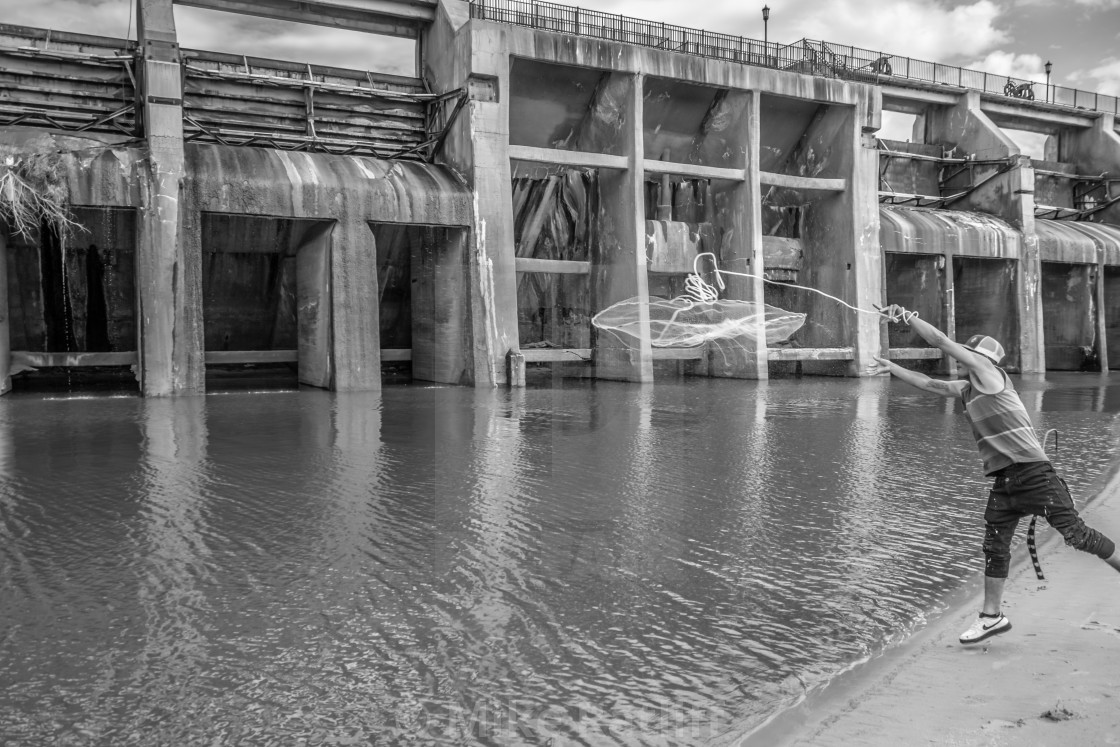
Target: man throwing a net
(1025, 483)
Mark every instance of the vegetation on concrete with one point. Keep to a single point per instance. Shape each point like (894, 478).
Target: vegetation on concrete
(33, 191)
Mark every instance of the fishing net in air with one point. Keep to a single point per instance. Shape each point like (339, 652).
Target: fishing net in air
(687, 322)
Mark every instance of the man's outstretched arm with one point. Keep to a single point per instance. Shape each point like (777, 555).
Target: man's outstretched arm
(976, 364)
(917, 380)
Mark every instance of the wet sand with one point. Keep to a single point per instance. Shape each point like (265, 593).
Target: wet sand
(1054, 679)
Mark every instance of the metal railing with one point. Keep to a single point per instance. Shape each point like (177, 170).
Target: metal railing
(805, 56)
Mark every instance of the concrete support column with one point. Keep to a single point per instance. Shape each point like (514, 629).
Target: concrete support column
(441, 310)
(168, 283)
(313, 303)
(355, 312)
(618, 268)
(742, 252)
(1102, 317)
(840, 237)
(948, 365)
(863, 197)
(5, 333)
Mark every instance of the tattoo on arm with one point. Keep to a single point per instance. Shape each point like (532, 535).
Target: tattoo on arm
(940, 387)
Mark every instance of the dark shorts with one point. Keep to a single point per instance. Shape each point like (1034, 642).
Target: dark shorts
(1033, 489)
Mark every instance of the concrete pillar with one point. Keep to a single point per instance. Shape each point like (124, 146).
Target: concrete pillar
(1102, 316)
(313, 306)
(168, 284)
(618, 265)
(5, 333)
(742, 252)
(840, 235)
(355, 308)
(476, 146)
(441, 309)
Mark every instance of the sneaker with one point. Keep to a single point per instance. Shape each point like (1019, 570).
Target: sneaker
(985, 627)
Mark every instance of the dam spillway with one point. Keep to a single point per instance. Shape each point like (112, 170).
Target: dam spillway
(468, 223)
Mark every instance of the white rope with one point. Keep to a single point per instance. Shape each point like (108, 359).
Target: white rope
(700, 290)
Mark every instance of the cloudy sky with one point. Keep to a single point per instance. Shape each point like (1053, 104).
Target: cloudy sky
(1006, 37)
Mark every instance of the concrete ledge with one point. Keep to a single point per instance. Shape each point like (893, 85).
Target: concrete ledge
(694, 170)
(559, 266)
(252, 356)
(73, 360)
(559, 157)
(811, 354)
(913, 354)
(792, 181)
(680, 354)
(556, 355)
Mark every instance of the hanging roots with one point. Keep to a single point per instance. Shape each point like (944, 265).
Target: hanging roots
(33, 191)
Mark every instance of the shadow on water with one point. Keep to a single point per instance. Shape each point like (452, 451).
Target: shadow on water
(593, 563)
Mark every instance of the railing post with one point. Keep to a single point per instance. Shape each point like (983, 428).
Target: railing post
(577, 22)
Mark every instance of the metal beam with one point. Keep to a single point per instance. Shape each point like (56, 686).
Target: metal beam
(402, 18)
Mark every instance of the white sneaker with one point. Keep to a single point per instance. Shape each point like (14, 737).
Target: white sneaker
(985, 627)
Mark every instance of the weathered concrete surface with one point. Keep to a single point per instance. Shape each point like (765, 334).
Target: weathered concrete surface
(742, 250)
(928, 231)
(619, 266)
(441, 340)
(352, 191)
(910, 176)
(1093, 151)
(1055, 191)
(985, 301)
(840, 237)
(476, 148)
(1069, 309)
(168, 263)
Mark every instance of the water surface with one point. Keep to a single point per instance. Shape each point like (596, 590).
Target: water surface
(594, 563)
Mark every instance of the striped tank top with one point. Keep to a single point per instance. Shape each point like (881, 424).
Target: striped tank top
(1001, 426)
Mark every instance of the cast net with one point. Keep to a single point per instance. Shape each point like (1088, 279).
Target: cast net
(700, 316)
(687, 322)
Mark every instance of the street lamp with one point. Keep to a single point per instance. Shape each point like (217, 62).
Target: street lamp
(765, 23)
(1048, 66)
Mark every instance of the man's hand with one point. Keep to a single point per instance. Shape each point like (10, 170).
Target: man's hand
(896, 313)
(878, 366)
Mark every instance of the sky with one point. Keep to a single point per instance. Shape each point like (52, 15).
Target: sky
(1005, 37)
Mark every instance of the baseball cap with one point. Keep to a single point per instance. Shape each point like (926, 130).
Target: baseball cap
(987, 347)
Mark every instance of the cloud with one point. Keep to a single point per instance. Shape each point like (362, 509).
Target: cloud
(922, 29)
(1026, 66)
(1104, 78)
(294, 42)
(96, 17)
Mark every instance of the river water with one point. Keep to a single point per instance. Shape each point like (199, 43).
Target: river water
(589, 563)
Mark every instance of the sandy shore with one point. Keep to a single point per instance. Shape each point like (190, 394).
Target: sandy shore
(1054, 679)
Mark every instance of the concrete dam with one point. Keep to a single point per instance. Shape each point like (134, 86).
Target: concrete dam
(463, 226)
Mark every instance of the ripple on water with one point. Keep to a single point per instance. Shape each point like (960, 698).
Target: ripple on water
(598, 564)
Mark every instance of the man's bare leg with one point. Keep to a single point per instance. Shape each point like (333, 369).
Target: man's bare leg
(993, 590)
